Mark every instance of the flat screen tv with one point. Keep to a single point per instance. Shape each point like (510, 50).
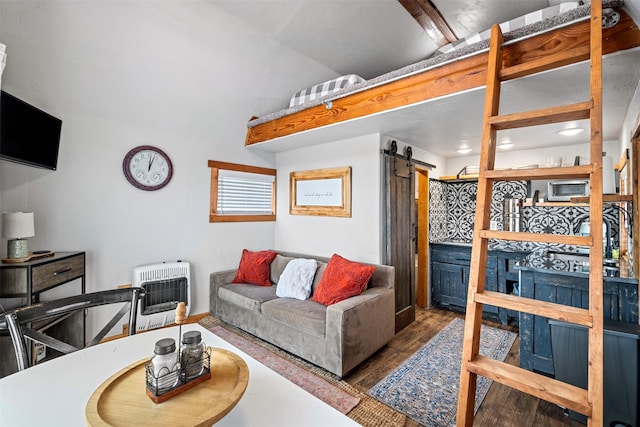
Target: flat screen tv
(28, 135)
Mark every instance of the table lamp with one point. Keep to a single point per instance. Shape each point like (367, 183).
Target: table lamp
(17, 227)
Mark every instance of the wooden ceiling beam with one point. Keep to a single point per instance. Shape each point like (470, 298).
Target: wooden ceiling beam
(429, 18)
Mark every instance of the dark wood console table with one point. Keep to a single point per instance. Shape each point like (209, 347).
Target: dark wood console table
(26, 283)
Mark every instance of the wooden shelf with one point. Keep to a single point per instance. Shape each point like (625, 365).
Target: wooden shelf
(459, 178)
(581, 201)
(606, 198)
(529, 203)
(534, 174)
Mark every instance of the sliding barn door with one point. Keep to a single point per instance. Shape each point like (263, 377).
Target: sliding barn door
(400, 234)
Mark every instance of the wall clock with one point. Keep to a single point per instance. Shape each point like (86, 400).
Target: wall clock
(147, 168)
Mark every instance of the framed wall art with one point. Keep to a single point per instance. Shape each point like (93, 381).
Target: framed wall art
(324, 192)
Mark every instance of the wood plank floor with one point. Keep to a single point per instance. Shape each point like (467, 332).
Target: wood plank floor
(502, 406)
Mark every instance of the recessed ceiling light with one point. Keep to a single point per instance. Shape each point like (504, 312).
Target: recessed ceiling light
(570, 131)
(465, 150)
(506, 145)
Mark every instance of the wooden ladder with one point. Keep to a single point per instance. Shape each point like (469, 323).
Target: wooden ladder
(588, 402)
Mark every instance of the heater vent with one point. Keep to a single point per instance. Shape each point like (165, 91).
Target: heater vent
(165, 285)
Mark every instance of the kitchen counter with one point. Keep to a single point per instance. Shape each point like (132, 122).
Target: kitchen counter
(539, 262)
(491, 249)
(466, 244)
(449, 279)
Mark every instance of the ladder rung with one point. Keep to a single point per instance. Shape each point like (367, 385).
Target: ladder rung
(549, 389)
(583, 171)
(565, 313)
(543, 116)
(559, 59)
(537, 237)
(588, 402)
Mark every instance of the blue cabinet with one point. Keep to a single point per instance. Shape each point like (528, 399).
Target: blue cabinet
(449, 283)
(620, 304)
(621, 367)
(450, 276)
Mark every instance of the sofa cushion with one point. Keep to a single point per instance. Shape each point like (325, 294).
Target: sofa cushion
(306, 315)
(278, 265)
(247, 296)
(295, 281)
(254, 267)
(322, 266)
(342, 279)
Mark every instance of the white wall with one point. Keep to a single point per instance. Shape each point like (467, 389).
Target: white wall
(631, 119)
(629, 125)
(439, 162)
(183, 76)
(540, 156)
(357, 238)
(633, 8)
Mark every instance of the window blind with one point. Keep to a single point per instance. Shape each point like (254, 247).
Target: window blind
(244, 194)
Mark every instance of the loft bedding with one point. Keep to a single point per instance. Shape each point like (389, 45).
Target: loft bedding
(514, 24)
(525, 26)
(326, 88)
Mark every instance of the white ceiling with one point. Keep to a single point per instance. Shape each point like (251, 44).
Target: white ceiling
(372, 37)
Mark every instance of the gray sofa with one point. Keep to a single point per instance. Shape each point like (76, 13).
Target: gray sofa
(337, 337)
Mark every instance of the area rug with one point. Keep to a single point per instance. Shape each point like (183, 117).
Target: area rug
(315, 385)
(425, 387)
(367, 412)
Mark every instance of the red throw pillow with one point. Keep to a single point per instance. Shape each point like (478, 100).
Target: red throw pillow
(254, 267)
(342, 279)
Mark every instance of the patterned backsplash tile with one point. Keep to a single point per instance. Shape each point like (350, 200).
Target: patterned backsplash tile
(461, 206)
(437, 211)
(452, 215)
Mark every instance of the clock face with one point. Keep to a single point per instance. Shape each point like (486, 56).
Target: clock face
(147, 168)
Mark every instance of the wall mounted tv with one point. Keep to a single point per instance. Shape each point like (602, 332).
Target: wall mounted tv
(28, 135)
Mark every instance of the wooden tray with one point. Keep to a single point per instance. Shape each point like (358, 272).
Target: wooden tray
(122, 400)
(28, 257)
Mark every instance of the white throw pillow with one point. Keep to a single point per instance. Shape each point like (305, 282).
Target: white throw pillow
(296, 279)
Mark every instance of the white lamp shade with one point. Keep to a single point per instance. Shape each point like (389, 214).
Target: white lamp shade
(17, 225)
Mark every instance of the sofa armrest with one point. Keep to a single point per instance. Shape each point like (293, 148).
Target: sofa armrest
(216, 280)
(359, 326)
(383, 276)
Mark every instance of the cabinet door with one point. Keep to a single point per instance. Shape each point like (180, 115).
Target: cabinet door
(449, 283)
(620, 304)
(491, 284)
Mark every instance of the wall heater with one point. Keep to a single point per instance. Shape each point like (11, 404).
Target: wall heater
(165, 285)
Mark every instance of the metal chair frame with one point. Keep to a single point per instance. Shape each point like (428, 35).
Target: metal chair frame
(18, 322)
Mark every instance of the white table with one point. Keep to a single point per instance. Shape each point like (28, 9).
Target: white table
(55, 393)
